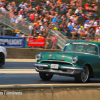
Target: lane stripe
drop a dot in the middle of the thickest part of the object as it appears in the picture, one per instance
(20, 60)
(18, 71)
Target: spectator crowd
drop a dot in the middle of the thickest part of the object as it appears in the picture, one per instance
(56, 15)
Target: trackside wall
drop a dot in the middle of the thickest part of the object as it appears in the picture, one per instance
(51, 93)
(26, 53)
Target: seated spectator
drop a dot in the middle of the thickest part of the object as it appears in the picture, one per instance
(48, 3)
(78, 12)
(66, 30)
(3, 9)
(97, 33)
(92, 32)
(75, 34)
(86, 6)
(86, 25)
(59, 2)
(71, 27)
(21, 5)
(13, 19)
(95, 23)
(15, 12)
(42, 29)
(32, 16)
(68, 14)
(83, 34)
(72, 3)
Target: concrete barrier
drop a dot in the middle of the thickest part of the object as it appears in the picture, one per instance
(26, 53)
(50, 92)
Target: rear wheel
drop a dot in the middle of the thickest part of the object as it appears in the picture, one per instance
(83, 77)
(2, 59)
(45, 76)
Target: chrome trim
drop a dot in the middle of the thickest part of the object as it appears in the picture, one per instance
(63, 56)
(41, 65)
(50, 55)
(80, 52)
(74, 72)
(73, 68)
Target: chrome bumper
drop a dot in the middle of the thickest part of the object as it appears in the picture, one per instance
(69, 70)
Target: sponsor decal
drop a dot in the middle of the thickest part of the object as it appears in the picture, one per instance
(16, 42)
(36, 42)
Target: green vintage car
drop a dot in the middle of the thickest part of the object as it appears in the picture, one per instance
(79, 59)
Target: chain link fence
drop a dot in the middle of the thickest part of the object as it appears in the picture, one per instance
(21, 26)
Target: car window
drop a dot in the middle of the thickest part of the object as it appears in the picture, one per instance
(92, 49)
(81, 47)
(69, 47)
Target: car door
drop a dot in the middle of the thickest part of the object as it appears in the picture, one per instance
(94, 59)
(99, 63)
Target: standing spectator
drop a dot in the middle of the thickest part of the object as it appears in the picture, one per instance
(40, 36)
(17, 34)
(54, 40)
(31, 28)
(47, 41)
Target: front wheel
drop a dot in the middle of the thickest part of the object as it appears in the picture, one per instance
(45, 76)
(83, 77)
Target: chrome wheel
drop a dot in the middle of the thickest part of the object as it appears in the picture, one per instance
(83, 77)
(85, 74)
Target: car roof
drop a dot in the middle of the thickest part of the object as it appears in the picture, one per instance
(83, 41)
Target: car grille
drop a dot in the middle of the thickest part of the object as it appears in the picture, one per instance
(56, 62)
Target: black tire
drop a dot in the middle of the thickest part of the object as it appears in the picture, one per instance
(45, 76)
(2, 59)
(83, 77)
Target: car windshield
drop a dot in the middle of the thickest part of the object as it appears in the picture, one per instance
(81, 47)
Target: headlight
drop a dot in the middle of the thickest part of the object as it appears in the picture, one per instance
(74, 59)
(38, 56)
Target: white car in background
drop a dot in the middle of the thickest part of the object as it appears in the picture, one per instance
(3, 55)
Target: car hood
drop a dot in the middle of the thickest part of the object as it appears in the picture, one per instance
(65, 56)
